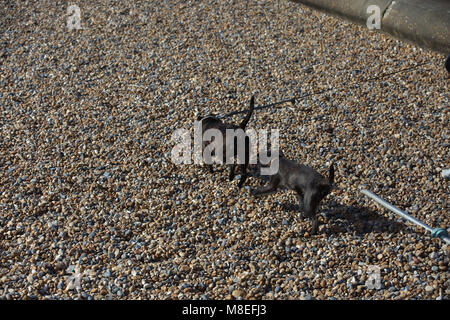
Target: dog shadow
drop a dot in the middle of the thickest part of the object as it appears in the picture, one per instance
(339, 219)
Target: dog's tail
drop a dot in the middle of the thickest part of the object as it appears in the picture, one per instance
(249, 114)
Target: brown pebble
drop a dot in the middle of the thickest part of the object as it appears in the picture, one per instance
(237, 293)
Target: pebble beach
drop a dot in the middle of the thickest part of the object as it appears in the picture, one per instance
(92, 206)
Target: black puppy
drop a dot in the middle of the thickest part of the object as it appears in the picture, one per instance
(311, 186)
(212, 122)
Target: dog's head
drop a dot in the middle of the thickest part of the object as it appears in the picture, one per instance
(209, 122)
(318, 189)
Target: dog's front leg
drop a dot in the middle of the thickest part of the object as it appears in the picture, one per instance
(271, 187)
(315, 224)
(232, 171)
(244, 167)
(300, 201)
(243, 175)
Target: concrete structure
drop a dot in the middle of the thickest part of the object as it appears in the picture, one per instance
(425, 23)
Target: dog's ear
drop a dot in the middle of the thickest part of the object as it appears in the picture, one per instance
(331, 174)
